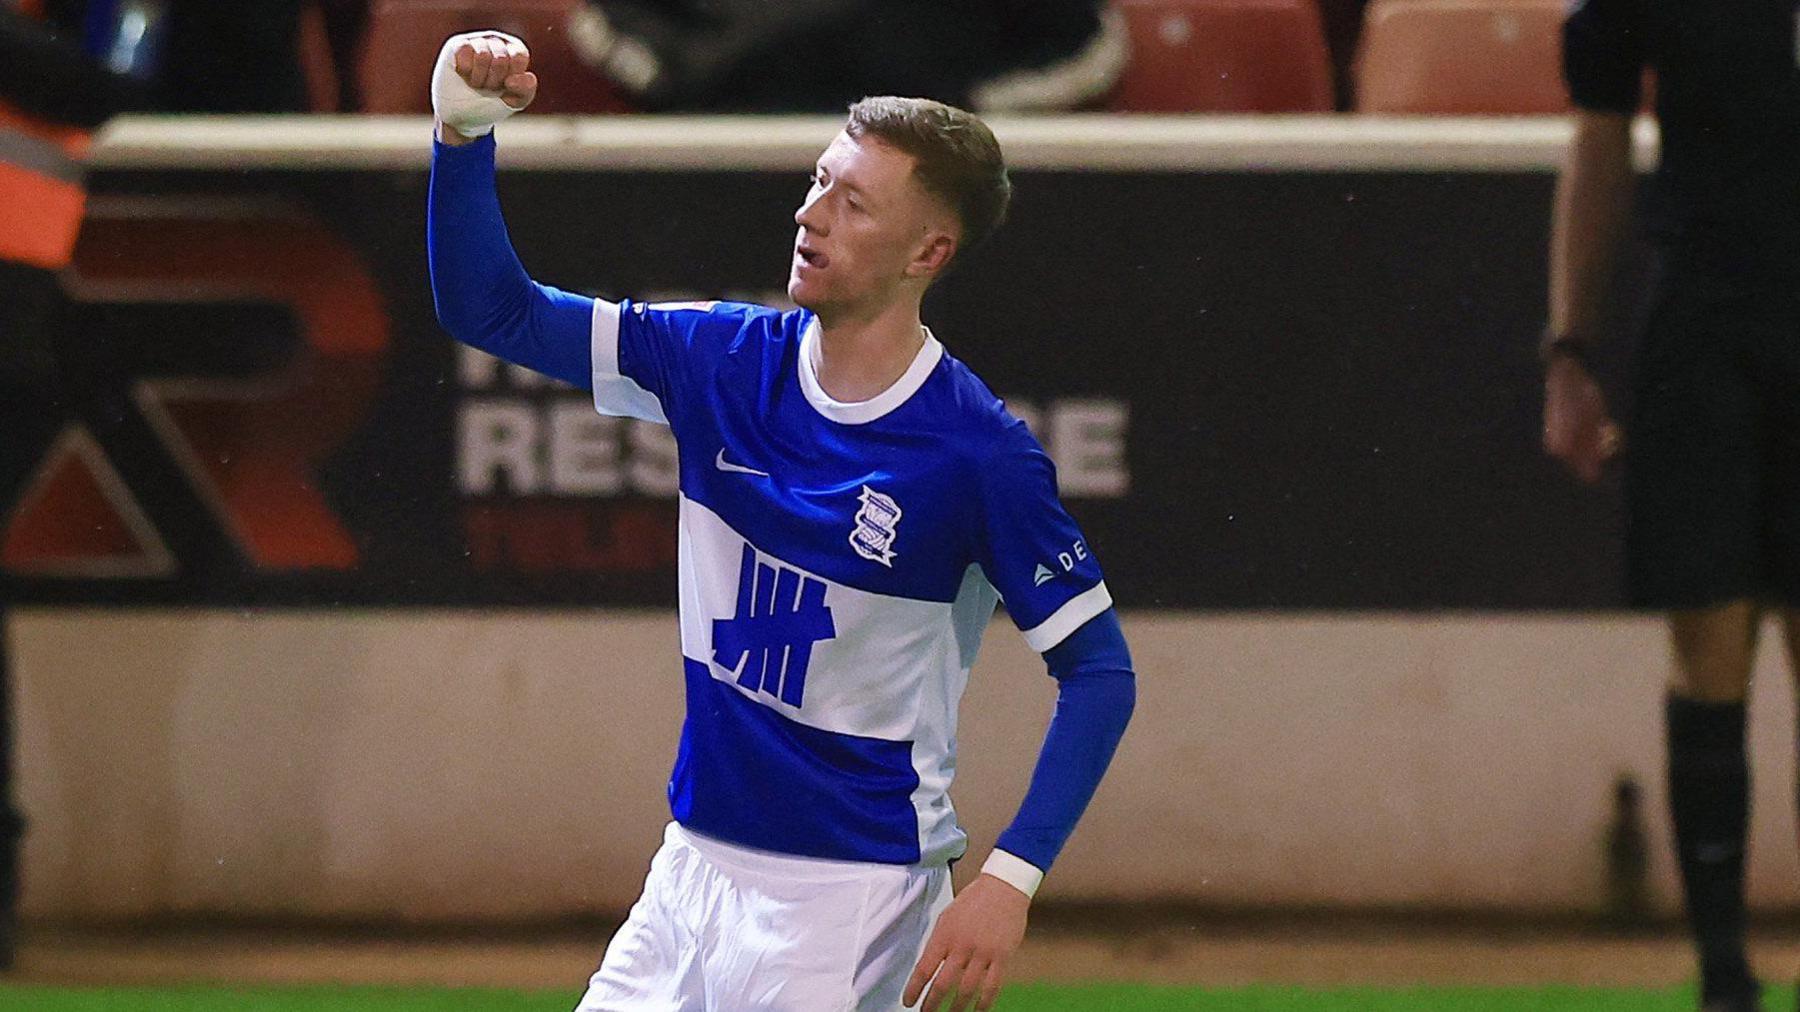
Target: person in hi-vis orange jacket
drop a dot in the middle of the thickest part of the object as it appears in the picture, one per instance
(52, 96)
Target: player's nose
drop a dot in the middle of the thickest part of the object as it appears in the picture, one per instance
(808, 216)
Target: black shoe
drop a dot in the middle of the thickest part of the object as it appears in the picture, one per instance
(1751, 1002)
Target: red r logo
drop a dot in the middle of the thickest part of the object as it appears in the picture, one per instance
(250, 447)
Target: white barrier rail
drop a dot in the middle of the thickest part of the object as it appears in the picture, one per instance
(1074, 143)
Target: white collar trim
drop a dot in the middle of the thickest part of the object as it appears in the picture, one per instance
(860, 412)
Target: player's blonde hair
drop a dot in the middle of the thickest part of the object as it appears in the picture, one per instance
(957, 158)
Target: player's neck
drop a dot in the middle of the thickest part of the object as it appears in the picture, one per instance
(862, 355)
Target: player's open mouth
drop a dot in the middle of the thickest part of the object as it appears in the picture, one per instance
(811, 257)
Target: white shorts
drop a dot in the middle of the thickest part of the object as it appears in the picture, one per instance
(722, 928)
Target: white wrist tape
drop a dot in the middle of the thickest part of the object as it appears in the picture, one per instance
(461, 108)
(1014, 871)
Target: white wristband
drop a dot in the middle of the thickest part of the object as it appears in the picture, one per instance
(1014, 871)
(461, 108)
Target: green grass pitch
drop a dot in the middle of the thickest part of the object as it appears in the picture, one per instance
(1018, 998)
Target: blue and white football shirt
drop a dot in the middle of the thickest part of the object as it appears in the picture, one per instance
(839, 563)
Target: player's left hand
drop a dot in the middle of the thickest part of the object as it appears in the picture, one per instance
(968, 950)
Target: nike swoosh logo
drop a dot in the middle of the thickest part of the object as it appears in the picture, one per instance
(726, 465)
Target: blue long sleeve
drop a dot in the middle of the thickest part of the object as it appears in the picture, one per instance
(483, 296)
(1095, 696)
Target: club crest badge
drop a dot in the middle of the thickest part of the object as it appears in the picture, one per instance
(877, 525)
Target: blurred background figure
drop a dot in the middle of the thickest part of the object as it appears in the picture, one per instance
(1343, 22)
(343, 24)
(740, 55)
(1713, 479)
(233, 57)
(53, 93)
(245, 56)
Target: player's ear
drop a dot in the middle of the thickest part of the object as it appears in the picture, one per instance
(933, 255)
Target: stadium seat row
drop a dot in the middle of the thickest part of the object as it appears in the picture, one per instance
(1415, 56)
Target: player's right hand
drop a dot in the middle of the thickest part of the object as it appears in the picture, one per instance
(1578, 427)
(480, 79)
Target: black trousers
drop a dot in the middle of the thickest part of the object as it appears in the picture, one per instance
(31, 413)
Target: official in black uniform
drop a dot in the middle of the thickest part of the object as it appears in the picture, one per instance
(1712, 448)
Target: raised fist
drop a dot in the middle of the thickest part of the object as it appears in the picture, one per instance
(481, 78)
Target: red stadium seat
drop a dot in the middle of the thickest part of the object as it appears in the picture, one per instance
(1225, 56)
(405, 36)
(1462, 57)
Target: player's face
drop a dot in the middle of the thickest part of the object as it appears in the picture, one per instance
(868, 232)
